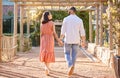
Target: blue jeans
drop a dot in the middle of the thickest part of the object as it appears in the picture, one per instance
(70, 51)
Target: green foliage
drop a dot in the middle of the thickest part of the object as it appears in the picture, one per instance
(35, 35)
(114, 21)
(27, 44)
(93, 36)
(115, 11)
(24, 27)
(59, 15)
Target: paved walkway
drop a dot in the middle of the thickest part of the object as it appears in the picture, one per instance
(27, 65)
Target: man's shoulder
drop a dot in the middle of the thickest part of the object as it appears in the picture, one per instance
(66, 17)
(76, 17)
(79, 19)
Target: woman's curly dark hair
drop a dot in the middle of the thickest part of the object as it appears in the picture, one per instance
(45, 18)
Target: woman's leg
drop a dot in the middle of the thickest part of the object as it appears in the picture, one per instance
(47, 65)
(46, 68)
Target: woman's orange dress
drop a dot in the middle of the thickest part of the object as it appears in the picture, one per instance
(47, 43)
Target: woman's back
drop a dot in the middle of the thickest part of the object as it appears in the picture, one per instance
(47, 29)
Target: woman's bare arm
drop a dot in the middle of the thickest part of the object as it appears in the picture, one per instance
(60, 43)
(55, 34)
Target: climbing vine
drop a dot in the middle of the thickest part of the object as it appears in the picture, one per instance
(114, 21)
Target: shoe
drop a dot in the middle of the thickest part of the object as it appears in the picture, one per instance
(70, 72)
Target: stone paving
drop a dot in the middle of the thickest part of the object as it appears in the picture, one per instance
(27, 65)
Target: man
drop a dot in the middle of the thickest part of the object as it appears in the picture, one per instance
(71, 31)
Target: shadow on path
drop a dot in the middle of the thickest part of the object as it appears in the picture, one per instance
(58, 74)
(11, 74)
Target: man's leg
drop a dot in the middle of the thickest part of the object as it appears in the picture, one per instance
(67, 49)
(75, 49)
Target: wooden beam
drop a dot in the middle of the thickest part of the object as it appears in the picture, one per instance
(90, 26)
(28, 21)
(101, 24)
(21, 28)
(58, 9)
(15, 18)
(97, 26)
(110, 26)
(59, 0)
(15, 25)
(0, 30)
(61, 4)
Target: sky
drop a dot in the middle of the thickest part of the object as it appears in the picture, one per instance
(7, 2)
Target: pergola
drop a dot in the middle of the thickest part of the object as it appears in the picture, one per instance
(58, 5)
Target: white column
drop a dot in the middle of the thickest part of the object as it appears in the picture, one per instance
(15, 18)
(101, 24)
(15, 25)
(97, 25)
(21, 29)
(110, 26)
(0, 29)
(28, 21)
(90, 26)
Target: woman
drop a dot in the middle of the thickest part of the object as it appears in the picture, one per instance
(48, 34)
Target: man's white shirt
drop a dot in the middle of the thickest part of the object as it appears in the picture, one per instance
(72, 28)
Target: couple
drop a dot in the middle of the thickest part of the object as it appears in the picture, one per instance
(72, 29)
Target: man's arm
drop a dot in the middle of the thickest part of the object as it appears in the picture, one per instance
(83, 37)
(63, 30)
(83, 41)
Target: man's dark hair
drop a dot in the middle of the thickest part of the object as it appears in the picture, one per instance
(73, 8)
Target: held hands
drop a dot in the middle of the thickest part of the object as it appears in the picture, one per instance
(60, 43)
